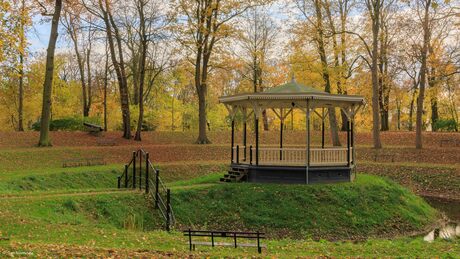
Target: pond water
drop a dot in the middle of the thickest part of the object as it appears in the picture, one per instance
(452, 210)
(450, 207)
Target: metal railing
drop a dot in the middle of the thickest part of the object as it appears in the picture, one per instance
(140, 173)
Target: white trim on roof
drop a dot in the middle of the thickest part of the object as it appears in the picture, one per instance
(352, 99)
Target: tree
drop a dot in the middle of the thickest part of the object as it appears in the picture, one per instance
(257, 41)
(203, 25)
(48, 84)
(114, 38)
(72, 23)
(423, 70)
(374, 8)
(316, 21)
(339, 64)
(143, 56)
(24, 21)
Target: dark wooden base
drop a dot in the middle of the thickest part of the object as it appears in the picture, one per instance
(295, 174)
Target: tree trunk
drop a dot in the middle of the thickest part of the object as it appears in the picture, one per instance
(80, 62)
(423, 72)
(325, 71)
(22, 47)
(106, 82)
(135, 71)
(343, 10)
(265, 120)
(374, 9)
(119, 67)
(48, 84)
(88, 68)
(333, 120)
(384, 91)
(202, 124)
(433, 99)
(143, 57)
(21, 93)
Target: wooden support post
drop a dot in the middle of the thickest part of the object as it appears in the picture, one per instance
(157, 185)
(147, 168)
(352, 141)
(348, 143)
(233, 137)
(281, 139)
(308, 141)
(168, 209)
(322, 130)
(244, 139)
(212, 239)
(234, 238)
(257, 141)
(250, 154)
(134, 170)
(259, 249)
(140, 170)
(190, 238)
(237, 154)
(119, 182)
(126, 176)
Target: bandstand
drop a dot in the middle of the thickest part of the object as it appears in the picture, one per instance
(286, 164)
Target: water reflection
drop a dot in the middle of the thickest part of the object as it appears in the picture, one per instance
(450, 231)
(451, 209)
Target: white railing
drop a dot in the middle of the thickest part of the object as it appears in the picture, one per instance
(297, 156)
(238, 155)
(329, 156)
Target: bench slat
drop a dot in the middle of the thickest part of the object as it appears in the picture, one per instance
(228, 235)
(226, 244)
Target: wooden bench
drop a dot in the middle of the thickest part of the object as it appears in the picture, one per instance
(224, 234)
(83, 162)
(449, 142)
(93, 129)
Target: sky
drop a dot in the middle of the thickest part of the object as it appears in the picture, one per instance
(39, 35)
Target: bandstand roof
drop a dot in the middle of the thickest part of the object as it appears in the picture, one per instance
(290, 95)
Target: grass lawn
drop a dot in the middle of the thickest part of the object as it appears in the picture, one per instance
(50, 211)
(92, 220)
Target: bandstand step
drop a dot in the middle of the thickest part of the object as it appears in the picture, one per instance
(235, 175)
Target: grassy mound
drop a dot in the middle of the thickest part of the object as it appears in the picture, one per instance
(116, 210)
(62, 179)
(371, 206)
(96, 177)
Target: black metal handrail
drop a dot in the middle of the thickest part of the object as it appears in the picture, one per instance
(148, 178)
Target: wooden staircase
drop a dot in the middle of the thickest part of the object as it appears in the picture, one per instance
(235, 175)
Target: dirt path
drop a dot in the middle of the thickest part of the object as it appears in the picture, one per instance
(43, 195)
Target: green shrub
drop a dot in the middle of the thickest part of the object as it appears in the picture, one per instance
(445, 125)
(67, 124)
